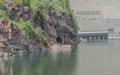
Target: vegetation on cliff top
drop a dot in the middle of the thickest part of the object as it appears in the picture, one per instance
(3, 13)
(36, 6)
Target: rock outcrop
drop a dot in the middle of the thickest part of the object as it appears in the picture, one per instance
(16, 12)
(56, 24)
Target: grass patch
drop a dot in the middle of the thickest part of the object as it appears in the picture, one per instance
(18, 2)
(39, 32)
(28, 30)
(3, 15)
(2, 4)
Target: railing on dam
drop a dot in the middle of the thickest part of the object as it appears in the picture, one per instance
(93, 36)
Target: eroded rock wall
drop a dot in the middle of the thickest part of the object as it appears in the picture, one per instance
(57, 24)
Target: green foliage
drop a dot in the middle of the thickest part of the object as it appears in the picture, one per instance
(55, 4)
(22, 25)
(43, 5)
(40, 8)
(2, 4)
(39, 32)
(42, 14)
(34, 4)
(19, 2)
(65, 5)
(29, 30)
(75, 21)
(3, 15)
(26, 28)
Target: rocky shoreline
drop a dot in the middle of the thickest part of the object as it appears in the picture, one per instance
(55, 48)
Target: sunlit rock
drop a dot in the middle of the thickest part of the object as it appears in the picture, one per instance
(60, 48)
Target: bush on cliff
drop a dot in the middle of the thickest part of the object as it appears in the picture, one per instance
(28, 30)
(3, 15)
(2, 4)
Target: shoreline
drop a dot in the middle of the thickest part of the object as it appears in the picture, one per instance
(55, 48)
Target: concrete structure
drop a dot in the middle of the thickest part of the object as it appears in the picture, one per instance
(112, 26)
(109, 9)
(95, 16)
(94, 36)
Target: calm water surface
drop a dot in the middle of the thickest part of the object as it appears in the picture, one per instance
(93, 58)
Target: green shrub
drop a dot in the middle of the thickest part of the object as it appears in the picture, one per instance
(22, 25)
(34, 4)
(2, 4)
(65, 5)
(38, 6)
(75, 21)
(19, 2)
(55, 4)
(29, 30)
(3, 15)
(26, 28)
(39, 32)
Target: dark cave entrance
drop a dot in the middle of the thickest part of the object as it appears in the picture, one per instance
(59, 40)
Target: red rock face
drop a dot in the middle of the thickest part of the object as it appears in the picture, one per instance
(51, 30)
(6, 29)
(7, 35)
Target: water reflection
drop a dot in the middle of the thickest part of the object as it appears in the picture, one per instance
(98, 58)
(39, 64)
(90, 58)
(6, 66)
(2, 66)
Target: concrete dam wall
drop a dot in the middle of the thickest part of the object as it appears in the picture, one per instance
(98, 15)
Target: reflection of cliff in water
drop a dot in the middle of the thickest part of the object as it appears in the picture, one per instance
(6, 66)
(39, 64)
(60, 64)
(2, 66)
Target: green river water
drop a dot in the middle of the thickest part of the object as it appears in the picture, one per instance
(91, 58)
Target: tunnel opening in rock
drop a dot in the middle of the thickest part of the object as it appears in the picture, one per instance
(59, 40)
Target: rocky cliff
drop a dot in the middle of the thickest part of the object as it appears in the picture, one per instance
(28, 25)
